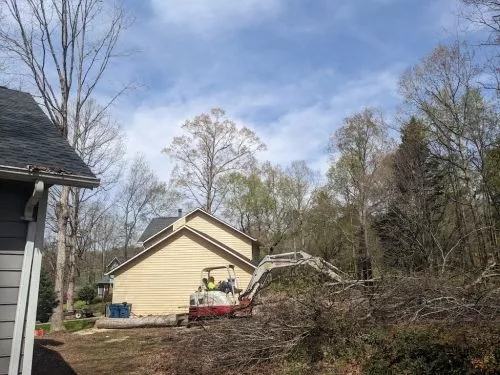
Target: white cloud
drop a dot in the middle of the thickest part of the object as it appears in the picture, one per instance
(448, 19)
(299, 131)
(204, 16)
(303, 133)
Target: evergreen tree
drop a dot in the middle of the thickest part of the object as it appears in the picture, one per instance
(47, 298)
(407, 228)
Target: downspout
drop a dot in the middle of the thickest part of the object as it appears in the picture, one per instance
(29, 273)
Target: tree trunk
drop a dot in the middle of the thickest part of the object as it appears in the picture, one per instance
(62, 224)
(364, 257)
(72, 259)
(71, 277)
(103, 261)
(125, 249)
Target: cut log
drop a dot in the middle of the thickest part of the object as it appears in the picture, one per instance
(143, 322)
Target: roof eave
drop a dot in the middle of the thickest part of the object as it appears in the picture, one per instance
(199, 209)
(22, 174)
(254, 240)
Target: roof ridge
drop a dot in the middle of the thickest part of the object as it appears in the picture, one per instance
(15, 90)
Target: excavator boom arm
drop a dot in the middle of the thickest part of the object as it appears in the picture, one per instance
(294, 259)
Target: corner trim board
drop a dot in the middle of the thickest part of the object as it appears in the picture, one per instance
(26, 280)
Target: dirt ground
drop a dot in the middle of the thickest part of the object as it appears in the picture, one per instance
(93, 351)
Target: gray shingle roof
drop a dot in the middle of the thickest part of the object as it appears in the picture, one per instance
(156, 225)
(28, 137)
(106, 279)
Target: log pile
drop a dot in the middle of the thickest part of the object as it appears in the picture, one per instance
(141, 322)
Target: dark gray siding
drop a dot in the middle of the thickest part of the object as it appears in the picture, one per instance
(13, 197)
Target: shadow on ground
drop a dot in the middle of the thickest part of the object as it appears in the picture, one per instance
(47, 361)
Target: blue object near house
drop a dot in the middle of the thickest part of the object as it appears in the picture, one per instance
(124, 311)
(114, 311)
(119, 310)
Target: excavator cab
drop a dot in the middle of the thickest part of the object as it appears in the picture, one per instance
(205, 303)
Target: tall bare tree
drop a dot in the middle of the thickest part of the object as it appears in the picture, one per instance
(445, 91)
(486, 15)
(260, 203)
(98, 141)
(106, 235)
(302, 181)
(211, 148)
(141, 197)
(66, 47)
(357, 175)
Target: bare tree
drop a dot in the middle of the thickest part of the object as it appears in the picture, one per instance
(98, 141)
(105, 234)
(357, 176)
(487, 14)
(142, 196)
(302, 181)
(212, 148)
(66, 47)
(260, 202)
(462, 128)
(323, 227)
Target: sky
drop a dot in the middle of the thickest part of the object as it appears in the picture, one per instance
(291, 70)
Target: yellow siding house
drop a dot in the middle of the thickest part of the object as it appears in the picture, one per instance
(159, 280)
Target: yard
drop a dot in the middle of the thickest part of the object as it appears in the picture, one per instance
(176, 351)
(91, 351)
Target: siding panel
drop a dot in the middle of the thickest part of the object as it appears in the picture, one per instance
(7, 312)
(160, 283)
(221, 232)
(12, 244)
(179, 223)
(4, 365)
(6, 329)
(11, 261)
(13, 229)
(8, 296)
(10, 278)
(5, 347)
(13, 197)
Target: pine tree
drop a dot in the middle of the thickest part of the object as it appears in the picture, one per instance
(47, 298)
(406, 229)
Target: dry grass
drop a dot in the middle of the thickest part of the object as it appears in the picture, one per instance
(134, 351)
(127, 351)
(302, 327)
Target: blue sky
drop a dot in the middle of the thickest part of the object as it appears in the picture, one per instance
(289, 69)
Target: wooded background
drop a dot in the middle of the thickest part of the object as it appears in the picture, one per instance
(417, 194)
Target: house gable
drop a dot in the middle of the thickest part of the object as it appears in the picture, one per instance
(224, 233)
(161, 279)
(204, 222)
(234, 255)
(115, 262)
